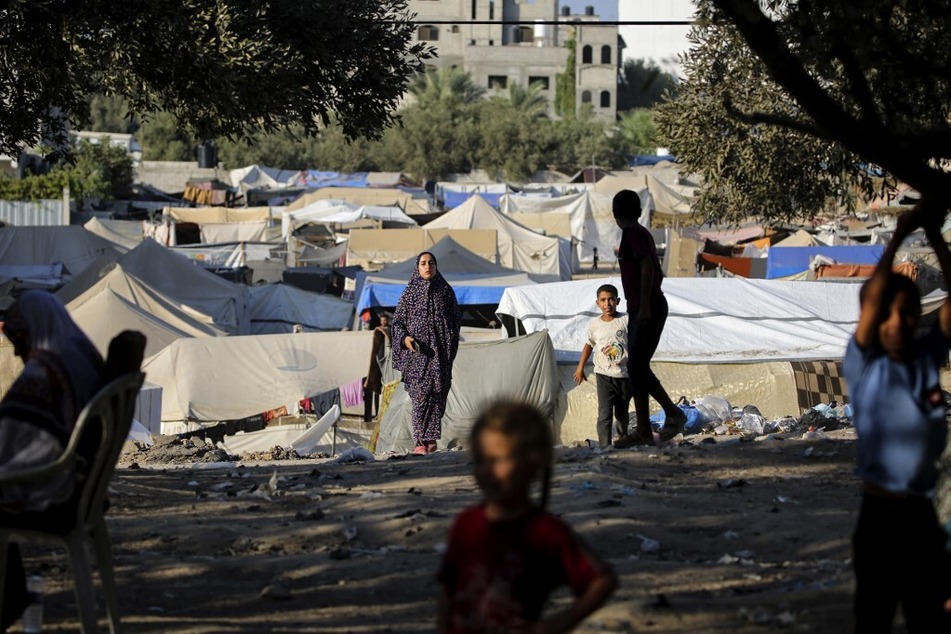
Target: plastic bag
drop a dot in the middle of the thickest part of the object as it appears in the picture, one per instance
(714, 409)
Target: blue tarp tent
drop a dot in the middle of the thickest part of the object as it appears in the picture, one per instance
(315, 179)
(786, 261)
(454, 199)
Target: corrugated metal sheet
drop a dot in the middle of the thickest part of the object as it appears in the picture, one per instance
(24, 213)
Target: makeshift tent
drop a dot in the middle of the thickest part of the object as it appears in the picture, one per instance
(786, 261)
(125, 235)
(373, 248)
(590, 219)
(474, 279)
(521, 368)
(365, 196)
(454, 194)
(226, 232)
(175, 276)
(114, 279)
(227, 378)
(329, 211)
(261, 177)
(105, 314)
(214, 215)
(729, 320)
(72, 245)
(277, 308)
(519, 247)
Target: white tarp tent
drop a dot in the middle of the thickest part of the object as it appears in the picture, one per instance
(227, 378)
(330, 211)
(175, 276)
(518, 247)
(277, 308)
(723, 320)
(591, 220)
(224, 232)
(522, 368)
(125, 235)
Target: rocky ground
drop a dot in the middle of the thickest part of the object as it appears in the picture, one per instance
(716, 534)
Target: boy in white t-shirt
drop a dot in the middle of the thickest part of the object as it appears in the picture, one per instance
(607, 337)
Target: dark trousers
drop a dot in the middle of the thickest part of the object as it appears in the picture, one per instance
(899, 557)
(642, 340)
(614, 400)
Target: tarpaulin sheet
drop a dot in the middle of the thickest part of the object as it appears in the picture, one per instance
(784, 261)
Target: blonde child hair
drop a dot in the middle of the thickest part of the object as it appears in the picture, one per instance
(531, 432)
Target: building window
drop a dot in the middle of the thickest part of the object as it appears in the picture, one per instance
(605, 54)
(525, 34)
(473, 9)
(586, 55)
(491, 10)
(427, 33)
(539, 80)
(605, 99)
(454, 29)
(586, 96)
(498, 82)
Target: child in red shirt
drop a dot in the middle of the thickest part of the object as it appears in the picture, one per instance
(507, 555)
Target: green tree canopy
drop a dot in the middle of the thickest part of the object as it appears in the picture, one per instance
(95, 170)
(872, 77)
(221, 68)
(642, 84)
(750, 167)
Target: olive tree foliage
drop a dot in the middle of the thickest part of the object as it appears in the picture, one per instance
(750, 166)
(873, 77)
(220, 68)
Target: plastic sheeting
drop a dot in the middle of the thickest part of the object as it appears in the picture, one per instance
(228, 378)
(729, 320)
(521, 368)
(519, 247)
(223, 232)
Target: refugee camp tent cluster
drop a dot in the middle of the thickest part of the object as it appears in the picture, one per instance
(775, 344)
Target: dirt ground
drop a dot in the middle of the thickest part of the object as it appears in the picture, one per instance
(712, 535)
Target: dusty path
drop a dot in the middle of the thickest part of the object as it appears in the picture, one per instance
(752, 537)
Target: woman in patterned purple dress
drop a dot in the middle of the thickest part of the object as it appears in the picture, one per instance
(425, 340)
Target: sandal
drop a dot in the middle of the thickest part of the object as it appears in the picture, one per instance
(637, 439)
(420, 450)
(673, 425)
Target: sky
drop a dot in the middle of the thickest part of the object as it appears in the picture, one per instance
(662, 44)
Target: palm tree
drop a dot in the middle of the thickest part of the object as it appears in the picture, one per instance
(448, 85)
(529, 102)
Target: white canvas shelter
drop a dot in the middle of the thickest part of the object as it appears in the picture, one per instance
(226, 378)
(518, 247)
(214, 215)
(277, 308)
(724, 320)
(262, 177)
(329, 211)
(178, 278)
(225, 232)
(73, 246)
(304, 438)
(161, 318)
(107, 313)
(590, 219)
(380, 196)
(125, 235)
(521, 368)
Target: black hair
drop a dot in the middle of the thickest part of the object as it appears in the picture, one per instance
(607, 288)
(529, 428)
(895, 285)
(626, 204)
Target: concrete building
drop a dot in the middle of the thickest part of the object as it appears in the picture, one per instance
(523, 41)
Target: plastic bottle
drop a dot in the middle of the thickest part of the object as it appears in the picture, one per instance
(32, 621)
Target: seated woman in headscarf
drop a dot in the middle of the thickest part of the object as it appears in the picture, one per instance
(62, 372)
(425, 332)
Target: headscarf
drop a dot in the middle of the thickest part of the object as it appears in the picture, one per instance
(428, 312)
(62, 368)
